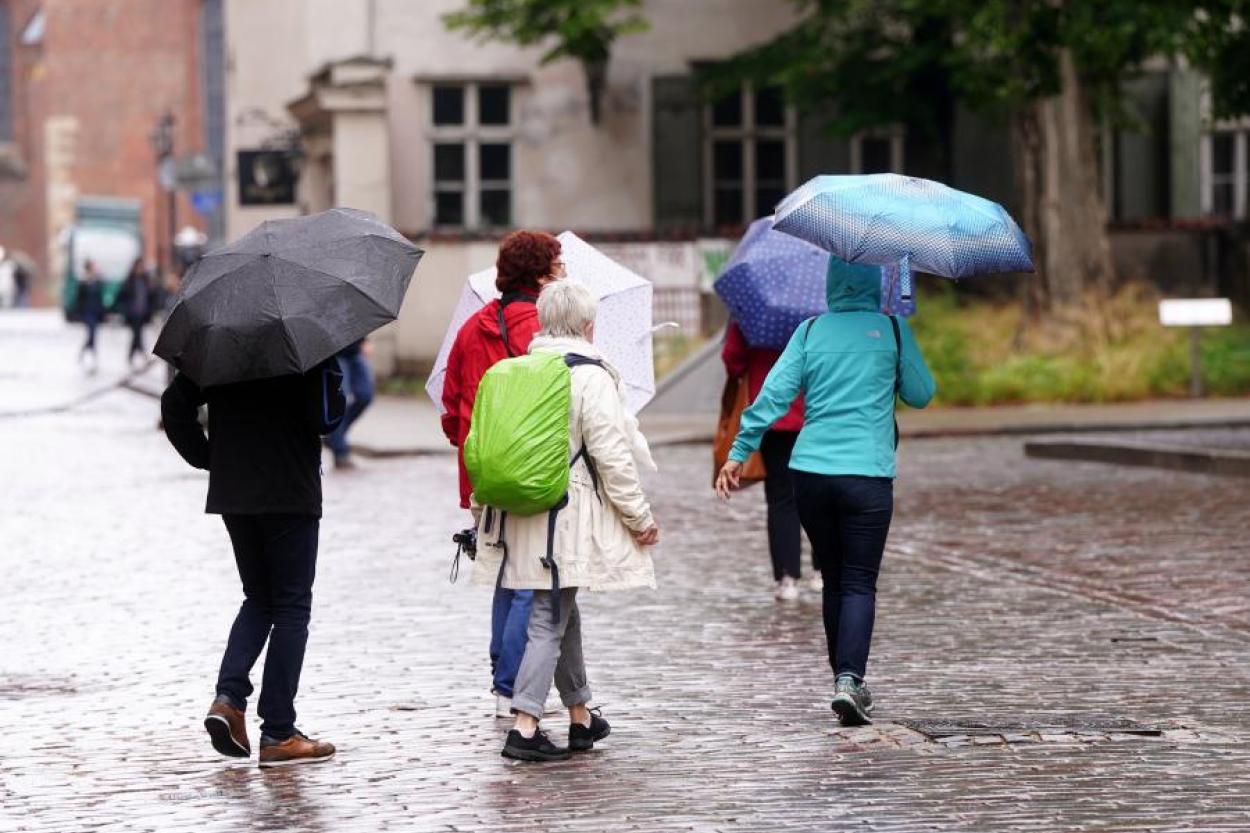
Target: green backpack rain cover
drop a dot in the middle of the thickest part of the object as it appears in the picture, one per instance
(517, 451)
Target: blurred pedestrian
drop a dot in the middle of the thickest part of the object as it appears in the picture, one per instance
(264, 479)
(90, 308)
(601, 545)
(21, 284)
(784, 533)
(527, 262)
(850, 364)
(358, 386)
(135, 301)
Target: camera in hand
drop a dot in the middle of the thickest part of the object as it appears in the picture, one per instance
(466, 540)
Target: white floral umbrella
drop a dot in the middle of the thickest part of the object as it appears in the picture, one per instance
(622, 325)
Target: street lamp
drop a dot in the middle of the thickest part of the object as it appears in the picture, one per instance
(162, 138)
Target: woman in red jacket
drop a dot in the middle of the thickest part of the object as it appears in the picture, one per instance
(504, 328)
(784, 532)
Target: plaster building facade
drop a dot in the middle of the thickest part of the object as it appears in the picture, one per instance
(375, 104)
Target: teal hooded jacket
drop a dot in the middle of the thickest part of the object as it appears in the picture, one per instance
(845, 363)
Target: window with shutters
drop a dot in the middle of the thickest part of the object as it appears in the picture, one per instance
(750, 155)
(471, 129)
(1226, 172)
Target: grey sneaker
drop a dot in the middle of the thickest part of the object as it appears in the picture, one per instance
(852, 701)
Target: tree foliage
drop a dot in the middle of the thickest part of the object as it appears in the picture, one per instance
(1051, 70)
(583, 30)
(879, 62)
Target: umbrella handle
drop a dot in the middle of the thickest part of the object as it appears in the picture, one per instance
(663, 325)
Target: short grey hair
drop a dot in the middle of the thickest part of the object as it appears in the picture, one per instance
(565, 308)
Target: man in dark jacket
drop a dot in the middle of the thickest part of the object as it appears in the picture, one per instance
(90, 307)
(263, 456)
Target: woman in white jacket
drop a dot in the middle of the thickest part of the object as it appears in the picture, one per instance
(600, 536)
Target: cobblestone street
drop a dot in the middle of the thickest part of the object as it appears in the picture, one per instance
(1059, 646)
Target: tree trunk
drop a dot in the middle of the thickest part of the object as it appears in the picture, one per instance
(596, 82)
(1062, 210)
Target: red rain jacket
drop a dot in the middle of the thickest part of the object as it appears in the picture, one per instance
(741, 359)
(477, 347)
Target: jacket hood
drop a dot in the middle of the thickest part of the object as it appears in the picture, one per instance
(852, 287)
(513, 314)
(565, 344)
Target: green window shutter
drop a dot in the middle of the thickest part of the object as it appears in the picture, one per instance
(820, 152)
(1185, 141)
(1141, 151)
(677, 153)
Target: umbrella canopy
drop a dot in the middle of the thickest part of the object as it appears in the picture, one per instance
(772, 283)
(622, 324)
(882, 218)
(286, 296)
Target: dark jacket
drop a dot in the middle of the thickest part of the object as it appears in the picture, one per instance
(263, 449)
(90, 302)
(134, 299)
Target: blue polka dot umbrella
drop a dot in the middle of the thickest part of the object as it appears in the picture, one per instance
(772, 283)
(883, 218)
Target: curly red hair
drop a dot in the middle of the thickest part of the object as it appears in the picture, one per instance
(525, 258)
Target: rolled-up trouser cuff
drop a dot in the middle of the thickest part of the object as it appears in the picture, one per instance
(525, 704)
(576, 697)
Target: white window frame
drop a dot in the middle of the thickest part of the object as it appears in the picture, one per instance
(894, 134)
(472, 135)
(1241, 167)
(747, 133)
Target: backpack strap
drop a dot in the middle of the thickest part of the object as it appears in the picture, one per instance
(503, 545)
(807, 331)
(503, 333)
(590, 466)
(571, 360)
(510, 298)
(898, 368)
(549, 561)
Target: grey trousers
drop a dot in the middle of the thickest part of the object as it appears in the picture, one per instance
(553, 650)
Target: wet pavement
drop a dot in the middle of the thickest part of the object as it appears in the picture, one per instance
(1034, 615)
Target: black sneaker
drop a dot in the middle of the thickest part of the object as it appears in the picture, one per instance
(852, 701)
(537, 748)
(582, 738)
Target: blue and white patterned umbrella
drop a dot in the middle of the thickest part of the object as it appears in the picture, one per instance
(772, 283)
(882, 218)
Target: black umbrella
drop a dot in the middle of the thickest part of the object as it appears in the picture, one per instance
(286, 296)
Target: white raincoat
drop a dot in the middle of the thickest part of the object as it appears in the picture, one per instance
(593, 546)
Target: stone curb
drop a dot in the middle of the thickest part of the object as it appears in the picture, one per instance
(1178, 458)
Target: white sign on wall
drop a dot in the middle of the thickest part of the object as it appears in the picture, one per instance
(1196, 312)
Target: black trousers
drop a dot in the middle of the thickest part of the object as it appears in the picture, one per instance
(277, 560)
(785, 540)
(847, 518)
(136, 336)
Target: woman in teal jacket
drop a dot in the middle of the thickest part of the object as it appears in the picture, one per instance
(849, 364)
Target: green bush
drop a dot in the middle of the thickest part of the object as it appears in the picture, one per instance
(1112, 350)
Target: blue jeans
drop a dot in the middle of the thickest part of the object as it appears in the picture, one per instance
(277, 560)
(509, 626)
(847, 519)
(358, 387)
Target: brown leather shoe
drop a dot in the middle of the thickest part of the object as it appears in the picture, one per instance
(296, 749)
(227, 726)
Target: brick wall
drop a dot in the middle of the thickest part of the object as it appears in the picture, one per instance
(85, 101)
